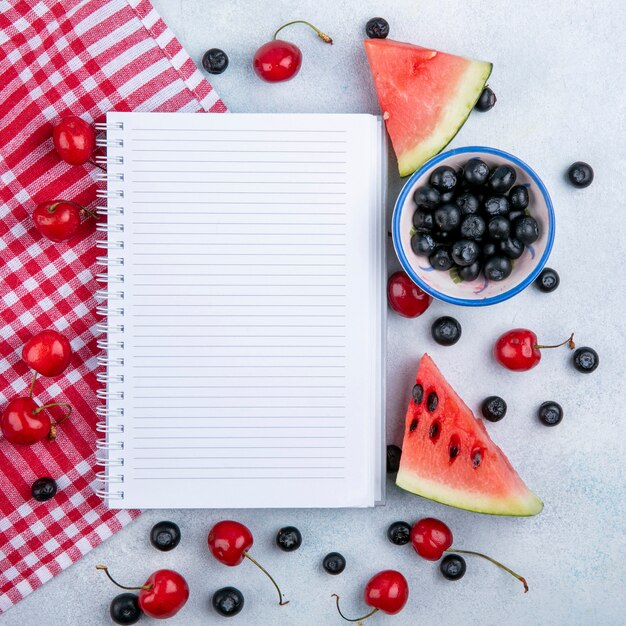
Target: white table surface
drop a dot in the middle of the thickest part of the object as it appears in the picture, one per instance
(559, 77)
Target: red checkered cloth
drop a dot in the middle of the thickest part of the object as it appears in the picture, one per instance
(59, 58)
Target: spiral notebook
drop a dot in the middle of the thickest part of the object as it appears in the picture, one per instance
(245, 311)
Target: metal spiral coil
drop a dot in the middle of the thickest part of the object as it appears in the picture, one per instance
(107, 279)
(104, 411)
(101, 444)
(109, 261)
(105, 494)
(110, 210)
(110, 228)
(105, 327)
(109, 142)
(107, 126)
(105, 294)
(110, 193)
(110, 245)
(103, 427)
(109, 177)
(106, 462)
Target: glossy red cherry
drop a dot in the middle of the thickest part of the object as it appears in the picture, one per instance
(164, 593)
(387, 591)
(229, 542)
(74, 140)
(48, 353)
(24, 422)
(279, 60)
(405, 297)
(518, 349)
(59, 220)
(431, 538)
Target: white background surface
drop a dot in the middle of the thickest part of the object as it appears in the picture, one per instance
(559, 77)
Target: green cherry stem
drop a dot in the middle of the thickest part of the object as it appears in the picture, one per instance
(39, 409)
(323, 36)
(87, 212)
(569, 341)
(281, 602)
(105, 569)
(32, 386)
(504, 567)
(358, 619)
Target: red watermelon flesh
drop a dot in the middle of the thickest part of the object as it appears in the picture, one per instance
(425, 96)
(448, 456)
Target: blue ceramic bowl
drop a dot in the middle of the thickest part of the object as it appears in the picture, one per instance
(481, 292)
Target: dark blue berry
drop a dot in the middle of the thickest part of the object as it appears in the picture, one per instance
(502, 179)
(486, 101)
(446, 331)
(518, 197)
(496, 205)
(423, 221)
(476, 172)
(548, 280)
(550, 413)
(499, 228)
(426, 197)
(472, 227)
(452, 567)
(440, 260)
(586, 360)
(512, 248)
(467, 202)
(43, 489)
(228, 601)
(526, 229)
(443, 178)
(423, 244)
(165, 536)
(377, 28)
(580, 174)
(464, 252)
(399, 533)
(289, 538)
(215, 61)
(334, 563)
(493, 408)
(447, 217)
(470, 272)
(498, 267)
(124, 609)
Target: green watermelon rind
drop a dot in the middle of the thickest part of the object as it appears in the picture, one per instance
(469, 91)
(525, 506)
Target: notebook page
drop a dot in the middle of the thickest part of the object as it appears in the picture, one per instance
(248, 345)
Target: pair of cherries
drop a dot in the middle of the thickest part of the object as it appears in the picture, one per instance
(24, 421)
(74, 141)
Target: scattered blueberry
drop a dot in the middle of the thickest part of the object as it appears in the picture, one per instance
(550, 413)
(426, 197)
(580, 174)
(498, 267)
(446, 331)
(124, 609)
(493, 408)
(443, 178)
(548, 280)
(394, 453)
(377, 28)
(486, 101)
(228, 601)
(518, 197)
(165, 536)
(452, 567)
(502, 179)
(43, 489)
(215, 61)
(399, 533)
(289, 538)
(586, 360)
(334, 563)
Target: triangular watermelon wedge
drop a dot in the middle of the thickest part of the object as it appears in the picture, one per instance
(425, 96)
(448, 456)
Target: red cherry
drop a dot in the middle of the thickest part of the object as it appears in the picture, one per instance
(517, 349)
(405, 297)
(57, 220)
(431, 538)
(24, 423)
(387, 591)
(74, 140)
(164, 593)
(279, 60)
(48, 353)
(229, 543)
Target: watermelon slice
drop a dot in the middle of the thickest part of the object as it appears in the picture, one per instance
(425, 96)
(448, 456)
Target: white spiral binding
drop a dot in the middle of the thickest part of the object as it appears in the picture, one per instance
(110, 448)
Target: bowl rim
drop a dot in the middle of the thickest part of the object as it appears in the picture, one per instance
(396, 235)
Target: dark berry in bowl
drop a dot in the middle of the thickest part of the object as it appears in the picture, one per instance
(580, 174)
(489, 248)
(493, 408)
(499, 228)
(496, 205)
(423, 244)
(512, 248)
(165, 536)
(215, 61)
(519, 198)
(548, 280)
(440, 260)
(377, 28)
(423, 221)
(443, 178)
(334, 563)
(470, 272)
(515, 214)
(526, 229)
(502, 179)
(447, 217)
(467, 202)
(399, 533)
(486, 101)
(498, 267)
(426, 197)
(289, 538)
(476, 172)
(43, 489)
(393, 458)
(446, 331)
(586, 360)
(227, 601)
(443, 237)
(550, 413)
(472, 227)
(448, 196)
(124, 609)
(464, 252)
(453, 567)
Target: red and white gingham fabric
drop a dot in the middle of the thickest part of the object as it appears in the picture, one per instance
(58, 58)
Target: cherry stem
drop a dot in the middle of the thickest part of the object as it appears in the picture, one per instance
(504, 567)
(32, 386)
(281, 602)
(47, 406)
(83, 210)
(104, 169)
(358, 619)
(323, 36)
(569, 341)
(105, 569)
